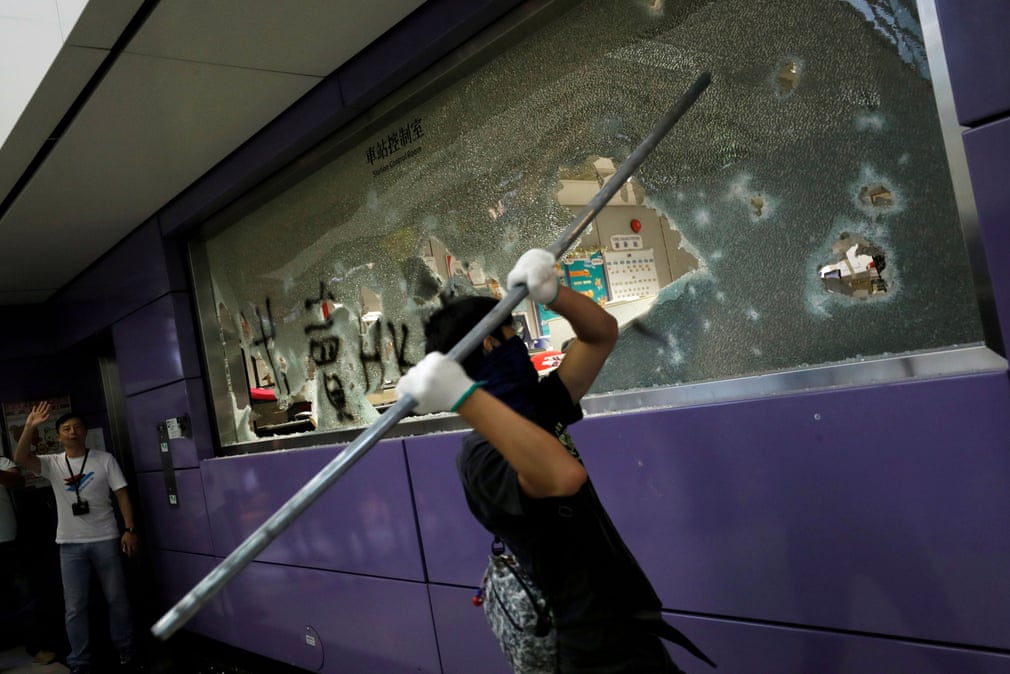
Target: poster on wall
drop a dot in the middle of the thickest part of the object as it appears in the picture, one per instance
(44, 438)
(632, 274)
(586, 276)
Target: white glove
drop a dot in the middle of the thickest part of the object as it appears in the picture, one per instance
(437, 383)
(535, 268)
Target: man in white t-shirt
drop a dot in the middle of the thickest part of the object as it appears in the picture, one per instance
(83, 482)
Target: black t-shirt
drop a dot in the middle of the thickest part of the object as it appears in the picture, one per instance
(569, 546)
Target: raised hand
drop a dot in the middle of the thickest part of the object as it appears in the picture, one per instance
(39, 415)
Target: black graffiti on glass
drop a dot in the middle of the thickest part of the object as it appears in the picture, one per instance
(335, 394)
(324, 348)
(384, 331)
(268, 332)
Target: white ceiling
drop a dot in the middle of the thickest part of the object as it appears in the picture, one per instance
(195, 81)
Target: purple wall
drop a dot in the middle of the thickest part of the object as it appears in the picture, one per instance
(838, 532)
(975, 38)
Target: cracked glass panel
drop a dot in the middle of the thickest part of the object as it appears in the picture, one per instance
(818, 138)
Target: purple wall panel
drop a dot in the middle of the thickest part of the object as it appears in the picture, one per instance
(467, 645)
(760, 510)
(129, 276)
(860, 509)
(742, 648)
(465, 641)
(144, 412)
(156, 345)
(363, 624)
(455, 545)
(975, 38)
(434, 29)
(182, 528)
(177, 573)
(988, 152)
(363, 524)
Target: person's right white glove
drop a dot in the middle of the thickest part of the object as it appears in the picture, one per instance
(437, 383)
(535, 268)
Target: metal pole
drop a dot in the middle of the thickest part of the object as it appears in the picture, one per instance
(313, 489)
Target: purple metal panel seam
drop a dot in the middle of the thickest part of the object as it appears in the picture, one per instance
(176, 573)
(360, 624)
(182, 528)
(147, 409)
(857, 509)
(364, 524)
(156, 345)
(455, 545)
(129, 276)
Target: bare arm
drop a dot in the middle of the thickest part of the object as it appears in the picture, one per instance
(128, 542)
(595, 336)
(23, 455)
(544, 466)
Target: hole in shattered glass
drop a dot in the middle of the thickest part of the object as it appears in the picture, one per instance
(856, 269)
(877, 195)
(787, 77)
(634, 255)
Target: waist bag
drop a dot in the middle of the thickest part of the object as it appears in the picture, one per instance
(521, 619)
(518, 614)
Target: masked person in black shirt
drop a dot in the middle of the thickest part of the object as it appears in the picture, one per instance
(525, 482)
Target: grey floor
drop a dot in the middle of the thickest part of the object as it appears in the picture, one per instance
(17, 661)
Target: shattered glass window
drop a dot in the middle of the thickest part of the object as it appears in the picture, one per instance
(801, 213)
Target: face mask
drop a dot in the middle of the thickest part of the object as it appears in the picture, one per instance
(509, 375)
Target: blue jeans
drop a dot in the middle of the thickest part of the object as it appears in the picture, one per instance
(77, 560)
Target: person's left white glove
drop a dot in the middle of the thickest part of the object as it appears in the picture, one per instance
(437, 383)
(535, 268)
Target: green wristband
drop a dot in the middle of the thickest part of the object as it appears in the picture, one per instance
(462, 399)
(557, 292)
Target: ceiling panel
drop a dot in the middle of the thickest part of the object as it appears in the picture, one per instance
(310, 37)
(195, 82)
(151, 128)
(101, 23)
(63, 83)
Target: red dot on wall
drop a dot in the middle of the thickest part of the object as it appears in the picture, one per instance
(636, 226)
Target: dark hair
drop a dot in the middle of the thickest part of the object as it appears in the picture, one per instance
(67, 417)
(447, 326)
